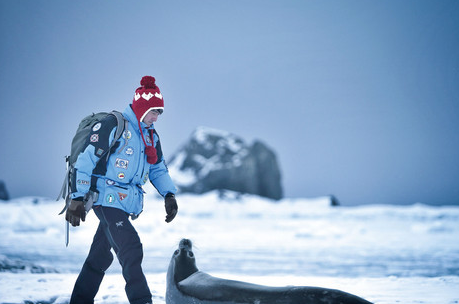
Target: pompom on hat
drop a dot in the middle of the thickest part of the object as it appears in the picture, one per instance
(147, 97)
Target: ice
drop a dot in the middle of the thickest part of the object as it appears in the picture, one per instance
(384, 253)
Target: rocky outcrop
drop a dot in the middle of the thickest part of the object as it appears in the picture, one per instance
(218, 160)
(20, 266)
(3, 193)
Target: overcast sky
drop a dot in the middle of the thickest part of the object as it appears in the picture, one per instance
(359, 99)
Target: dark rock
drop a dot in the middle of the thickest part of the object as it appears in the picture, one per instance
(3, 193)
(20, 266)
(218, 160)
(334, 201)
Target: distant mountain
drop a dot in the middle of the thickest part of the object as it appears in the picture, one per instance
(218, 160)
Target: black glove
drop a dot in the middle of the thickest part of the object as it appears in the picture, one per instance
(75, 212)
(171, 207)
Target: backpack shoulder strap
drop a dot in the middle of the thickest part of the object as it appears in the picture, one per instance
(122, 125)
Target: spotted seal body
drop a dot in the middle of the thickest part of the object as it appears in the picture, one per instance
(187, 285)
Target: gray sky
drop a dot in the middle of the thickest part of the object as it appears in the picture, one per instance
(359, 99)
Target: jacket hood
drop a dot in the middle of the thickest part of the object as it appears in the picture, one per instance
(130, 115)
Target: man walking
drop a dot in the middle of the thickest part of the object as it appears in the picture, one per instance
(116, 183)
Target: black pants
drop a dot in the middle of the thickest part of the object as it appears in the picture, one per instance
(114, 231)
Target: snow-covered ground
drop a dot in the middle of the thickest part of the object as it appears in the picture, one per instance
(386, 254)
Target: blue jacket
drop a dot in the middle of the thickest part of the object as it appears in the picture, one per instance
(119, 178)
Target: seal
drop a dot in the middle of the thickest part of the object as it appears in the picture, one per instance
(187, 285)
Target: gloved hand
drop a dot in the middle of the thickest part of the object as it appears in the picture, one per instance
(171, 207)
(75, 212)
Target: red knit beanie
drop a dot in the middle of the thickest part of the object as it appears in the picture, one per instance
(147, 97)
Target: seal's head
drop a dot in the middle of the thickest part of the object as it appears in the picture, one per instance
(184, 261)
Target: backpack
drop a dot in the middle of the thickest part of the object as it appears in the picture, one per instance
(79, 144)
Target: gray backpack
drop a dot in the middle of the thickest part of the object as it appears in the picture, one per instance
(79, 144)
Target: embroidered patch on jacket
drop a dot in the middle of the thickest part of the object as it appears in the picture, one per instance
(122, 196)
(127, 134)
(121, 175)
(100, 152)
(82, 182)
(121, 163)
(110, 182)
(129, 151)
(94, 138)
(96, 127)
(110, 198)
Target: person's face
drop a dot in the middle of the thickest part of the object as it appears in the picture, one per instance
(151, 117)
